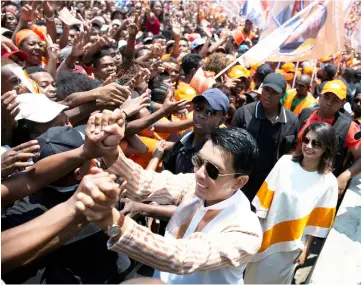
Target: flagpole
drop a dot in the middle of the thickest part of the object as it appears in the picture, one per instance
(278, 65)
(314, 70)
(294, 78)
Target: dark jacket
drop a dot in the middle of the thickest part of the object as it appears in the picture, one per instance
(273, 140)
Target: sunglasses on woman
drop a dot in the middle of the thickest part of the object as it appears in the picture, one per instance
(314, 143)
(212, 170)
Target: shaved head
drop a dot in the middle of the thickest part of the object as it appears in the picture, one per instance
(304, 79)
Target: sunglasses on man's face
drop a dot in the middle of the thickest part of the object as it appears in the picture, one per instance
(315, 144)
(209, 112)
(356, 101)
(212, 170)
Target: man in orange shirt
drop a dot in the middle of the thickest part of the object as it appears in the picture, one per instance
(299, 98)
(332, 99)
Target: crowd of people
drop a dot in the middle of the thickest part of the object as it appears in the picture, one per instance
(117, 156)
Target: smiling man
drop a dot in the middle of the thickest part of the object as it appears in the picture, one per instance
(212, 235)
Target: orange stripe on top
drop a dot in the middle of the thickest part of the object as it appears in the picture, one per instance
(265, 195)
(292, 230)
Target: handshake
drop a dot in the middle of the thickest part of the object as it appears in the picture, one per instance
(98, 192)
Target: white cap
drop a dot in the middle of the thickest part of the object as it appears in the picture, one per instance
(38, 108)
(99, 21)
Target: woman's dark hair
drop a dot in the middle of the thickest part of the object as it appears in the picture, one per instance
(72, 82)
(152, 3)
(240, 144)
(326, 136)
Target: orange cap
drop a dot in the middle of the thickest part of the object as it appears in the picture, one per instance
(308, 70)
(326, 59)
(238, 71)
(336, 87)
(22, 34)
(184, 92)
(288, 67)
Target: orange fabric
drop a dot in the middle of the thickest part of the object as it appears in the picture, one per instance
(350, 141)
(202, 80)
(292, 230)
(189, 117)
(184, 91)
(265, 195)
(39, 30)
(309, 101)
(144, 158)
(123, 145)
(22, 34)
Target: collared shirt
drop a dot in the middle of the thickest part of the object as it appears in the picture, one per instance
(274, 139)
(202, 244)
(179, 160)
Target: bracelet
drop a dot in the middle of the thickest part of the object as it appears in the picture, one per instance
(126, 115)
(51, 19)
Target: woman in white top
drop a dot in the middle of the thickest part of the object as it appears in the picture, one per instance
(296, 203)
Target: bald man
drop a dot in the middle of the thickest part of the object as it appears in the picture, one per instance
(299, 98)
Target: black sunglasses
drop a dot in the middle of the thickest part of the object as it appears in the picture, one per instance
(209, 112)
(314, 143)
(357, 101)
(212, 170)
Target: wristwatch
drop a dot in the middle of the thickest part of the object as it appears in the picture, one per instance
(115, 229)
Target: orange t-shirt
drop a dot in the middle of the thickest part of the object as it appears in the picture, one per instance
(350, 141)
(144, 158)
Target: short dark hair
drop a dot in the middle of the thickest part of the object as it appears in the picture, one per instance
(99, 55)
(157, 37)
(72, 82)
(240, 144)
(35, 69)
(159, 92)
(326, 136)
(137, 52)
(191, 61)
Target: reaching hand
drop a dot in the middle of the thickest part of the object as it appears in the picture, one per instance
(97, 195)
(29, 13)
(156, 68)
(176, 27)
(48, 9)
(18, 157)
(9, 107)
(133, 106)
(7, 44)
(132, 30)
(172, 107)
(130, 208)
(103, 133)
(231, 83)
(52, 49)
(112, 93)
(80, 44)
(157, 50)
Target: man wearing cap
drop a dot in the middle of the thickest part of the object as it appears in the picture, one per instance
(331, 100)
(210, 110)
(274, 128)
(299, 98)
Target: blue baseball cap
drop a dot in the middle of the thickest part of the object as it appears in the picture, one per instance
(215, 98)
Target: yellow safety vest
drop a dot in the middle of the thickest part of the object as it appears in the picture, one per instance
(309, 101)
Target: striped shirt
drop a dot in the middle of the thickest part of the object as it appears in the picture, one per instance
(202, 244)
(293, 203)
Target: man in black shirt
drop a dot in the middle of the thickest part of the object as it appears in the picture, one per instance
(274, 128)
(210, 110)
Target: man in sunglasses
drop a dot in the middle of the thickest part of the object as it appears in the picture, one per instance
(212, 235)
(274, 128)
(331, 101)
(210, 110)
